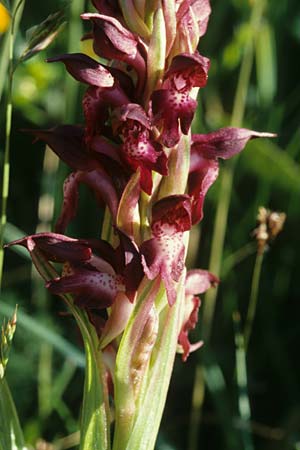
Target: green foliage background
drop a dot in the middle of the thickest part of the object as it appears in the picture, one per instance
(45, 370)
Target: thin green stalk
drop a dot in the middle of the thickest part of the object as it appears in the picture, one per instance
(5, 48)
(75, 30)
(6, 161)
(222, 212)
(253, 298)
(242, 382)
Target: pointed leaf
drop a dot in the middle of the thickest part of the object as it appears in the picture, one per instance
(42, 35)
(11, 436)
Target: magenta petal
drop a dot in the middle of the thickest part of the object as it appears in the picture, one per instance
(70, 202)
(224, 143)
(171, 215)
(171, 108)
(192, 20)
(67, 141)
(131, 264)
(118, 319)
(113, 41)
(164, 256)
(108, 7)
(146, 182)
(93, 289)
(99, 182)
(191, 318)
(96, 103)
(85, 69)
(188, 71)
(139, 149)
(204, 175)
(57, 247)
(103, 188)
(199, 281)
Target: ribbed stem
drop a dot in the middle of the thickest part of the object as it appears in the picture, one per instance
(6, 161)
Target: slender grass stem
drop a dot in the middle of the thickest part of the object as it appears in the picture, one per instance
(222, 212)
(6, 160)
(242, 382)
(253, 298)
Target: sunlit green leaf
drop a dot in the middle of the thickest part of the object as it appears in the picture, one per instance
(266, 64)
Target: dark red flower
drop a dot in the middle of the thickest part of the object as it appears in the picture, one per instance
(105, 91)
(93, 271)
(192, 19)
(115, 42)
(172, 105)
(164, 254)
(139, 149)
(204, 166)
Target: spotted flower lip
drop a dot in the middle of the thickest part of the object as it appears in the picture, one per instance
(172, 105)
(139, 149)
(163, 255)
(92, 289)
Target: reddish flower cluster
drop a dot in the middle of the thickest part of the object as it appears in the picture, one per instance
(136, 112)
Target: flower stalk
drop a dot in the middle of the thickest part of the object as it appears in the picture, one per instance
(129, 292)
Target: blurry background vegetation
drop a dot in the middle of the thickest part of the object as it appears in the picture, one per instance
(222, 398)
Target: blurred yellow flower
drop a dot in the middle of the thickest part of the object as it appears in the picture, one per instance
(4, 19)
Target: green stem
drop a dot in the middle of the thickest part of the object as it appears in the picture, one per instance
(242, 382)
(6, 161)
(253, 298)
(11, 436)
(226, 183)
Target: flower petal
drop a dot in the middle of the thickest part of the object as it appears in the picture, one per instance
(118, 319)
(85, 69)
(164, 256)
(192, 305)
(96, 104)
(92, 289)
(199, 182)
(192, 19)
(99, 182)
(224, 143)
(57, 247)
(173, 105)
(67, 141)
(199, 281)
(113, 41)
(139, 149)
(171, 215)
